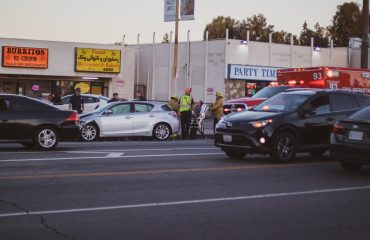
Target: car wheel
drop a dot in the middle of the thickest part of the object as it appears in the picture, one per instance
(350, 166)
(317, 153)
(161, 131)
(46, 138)
(89, 132)
(236, 154)
(284, 147)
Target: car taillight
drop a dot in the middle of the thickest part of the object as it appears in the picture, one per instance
(73, 117)
(338, 129)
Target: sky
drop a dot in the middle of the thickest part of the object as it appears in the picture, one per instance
(107, 21)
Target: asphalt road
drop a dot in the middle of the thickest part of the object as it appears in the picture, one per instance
(176, 190)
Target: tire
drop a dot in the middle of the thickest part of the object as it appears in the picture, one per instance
(89, 132)
(46, 138)
(162, 131)
(317, 153)
(235, 154)
(350, 166)
(284, 147)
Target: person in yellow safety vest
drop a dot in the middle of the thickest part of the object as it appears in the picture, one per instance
(217, 109)
(174, 104)
(186, 106)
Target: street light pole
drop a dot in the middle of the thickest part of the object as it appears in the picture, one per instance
(365, 34)
(175, 52)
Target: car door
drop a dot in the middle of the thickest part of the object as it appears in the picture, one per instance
(144, 119)
(118, 120)
(90, 103)
(6, 120)
(316, 121)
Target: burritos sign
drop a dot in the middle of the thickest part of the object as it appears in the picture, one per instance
(98, 60)
(25, 57)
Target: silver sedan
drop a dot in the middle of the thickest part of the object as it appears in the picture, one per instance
(130, 118)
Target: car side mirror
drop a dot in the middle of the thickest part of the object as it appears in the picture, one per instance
(108, 112)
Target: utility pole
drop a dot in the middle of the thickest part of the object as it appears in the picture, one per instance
(175, 52)
(365, 34)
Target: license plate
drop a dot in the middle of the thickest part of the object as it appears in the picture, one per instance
(227, 138)
(355, 135)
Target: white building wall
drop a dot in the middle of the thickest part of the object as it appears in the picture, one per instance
(216, 60)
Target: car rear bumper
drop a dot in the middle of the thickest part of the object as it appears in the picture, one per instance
(71, 132)
(350, 153)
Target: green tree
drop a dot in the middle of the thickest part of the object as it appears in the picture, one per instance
(283, 37)
(217, 28)
(320, 35)
(346, 23)
(306, 35)
(257, 26)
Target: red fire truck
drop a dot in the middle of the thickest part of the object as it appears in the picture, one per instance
(350, 79)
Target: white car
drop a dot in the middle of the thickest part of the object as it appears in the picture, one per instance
(91, 102)
(130, 119)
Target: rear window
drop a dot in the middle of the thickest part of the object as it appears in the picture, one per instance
(342, 102)
(26, 104)
(363, 101)
(363, 114)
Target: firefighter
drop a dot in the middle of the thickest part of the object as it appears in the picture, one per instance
(217, 109)
(174, 104)
(186, 106)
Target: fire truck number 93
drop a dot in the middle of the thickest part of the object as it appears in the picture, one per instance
(317, 76)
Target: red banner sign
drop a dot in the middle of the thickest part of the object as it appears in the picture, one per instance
(25, 57)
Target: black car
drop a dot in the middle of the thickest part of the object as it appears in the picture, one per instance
(35, 123)
(350, 140)
(287, 123)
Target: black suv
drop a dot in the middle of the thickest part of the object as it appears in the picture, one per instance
(287, 123)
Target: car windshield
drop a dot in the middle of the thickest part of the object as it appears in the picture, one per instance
(103, 108)
(268, 92)
(281, 103)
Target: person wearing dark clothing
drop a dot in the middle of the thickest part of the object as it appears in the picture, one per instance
(115, 98)
(76, 102)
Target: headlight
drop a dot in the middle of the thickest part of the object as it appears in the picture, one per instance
(262, 123)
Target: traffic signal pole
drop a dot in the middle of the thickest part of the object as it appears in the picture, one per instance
(365, 34)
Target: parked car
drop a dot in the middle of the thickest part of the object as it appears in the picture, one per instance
(287, 123)
(34, 123)
(241, 104)
(91, 102)
(350, 140)
(130, 118)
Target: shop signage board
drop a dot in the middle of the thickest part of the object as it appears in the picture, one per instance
(249, 72)
(25, 57)
(97, 60)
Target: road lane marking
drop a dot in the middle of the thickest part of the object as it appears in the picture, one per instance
(157, 171)
(103, 151)
(187, 202)
(97, 157)
(115, 154)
